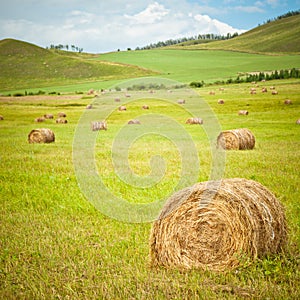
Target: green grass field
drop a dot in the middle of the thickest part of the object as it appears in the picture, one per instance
(56, 245)
(210, 66)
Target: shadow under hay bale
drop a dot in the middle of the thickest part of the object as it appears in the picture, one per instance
(98, 125)
(41, 135)
(236, 139)
(216, 225)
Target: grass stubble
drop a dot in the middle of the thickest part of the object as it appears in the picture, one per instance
(56, 245)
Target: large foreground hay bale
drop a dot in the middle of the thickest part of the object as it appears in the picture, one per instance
(218, 225)
(41, 135)
(236, 139)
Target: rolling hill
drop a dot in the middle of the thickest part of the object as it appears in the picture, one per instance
(25, 65)
(276, 37)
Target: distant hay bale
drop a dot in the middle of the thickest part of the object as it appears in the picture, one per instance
(61, 115)
(243, 112)
(274, 92)
(40, 119)
(264, 90)
(134, 122)
(117, 99)
(181, 101)
(89, 106)
(212, 93)
(221, 101)
(61, 121)
(217, 226)
(122, 108)
(41, 135)
(1, 118)
(91, 92)
(99, 125)
(48, 116)
(287, 101)
(236, 139)
(145, 106)
(194, 121)
(298, 122)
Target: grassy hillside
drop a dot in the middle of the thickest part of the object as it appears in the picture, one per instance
(280, 36)
(25, 65)
(209, 66)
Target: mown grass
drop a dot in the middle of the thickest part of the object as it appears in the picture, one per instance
(56, 245)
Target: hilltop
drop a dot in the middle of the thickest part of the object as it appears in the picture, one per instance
(25, 65)
(277, 37)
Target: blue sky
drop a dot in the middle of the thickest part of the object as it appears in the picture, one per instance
(100, 26)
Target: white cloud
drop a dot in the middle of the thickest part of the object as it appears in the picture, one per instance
(96, 29)
(153, 13)
(207, 25)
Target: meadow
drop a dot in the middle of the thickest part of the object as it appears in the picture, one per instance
(210, 66)
(55, 244)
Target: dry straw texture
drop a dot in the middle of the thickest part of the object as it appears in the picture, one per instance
(236, 139)
(216, 225)
(41, 135)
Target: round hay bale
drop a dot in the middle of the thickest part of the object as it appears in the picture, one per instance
(117, 99)
(61, 121)
(61, 115)
(181, 101)
(287, 101)
(221, 101)
(243, 112)
(194, 121)
(89, 106)
(122, 108)
(41, 135)
(298, 122)
(48, 116)
(1, 118)
(217, 225)
(145, 106)
(98, 125)
(236, 139)
(40, 119)
(133, 122)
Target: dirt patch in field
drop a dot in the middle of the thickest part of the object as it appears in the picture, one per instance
(39, 98)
